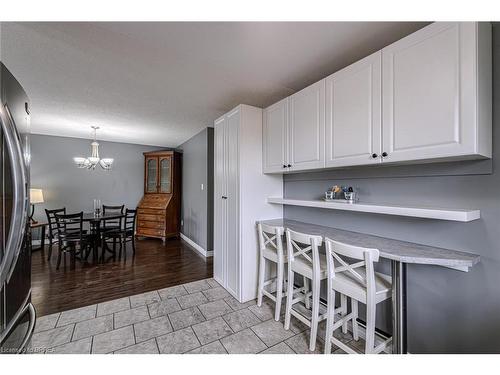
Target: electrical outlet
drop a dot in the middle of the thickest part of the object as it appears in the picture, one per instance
(182, 222)
(202, 187)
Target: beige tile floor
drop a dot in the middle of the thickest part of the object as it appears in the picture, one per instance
(198, 318)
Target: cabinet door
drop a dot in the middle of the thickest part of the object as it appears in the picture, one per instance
(165, 174)
(428, 78)
(151, 185)
(233, 203)
(353, 114)
(219, 202)
(307, 128)
(274, 146)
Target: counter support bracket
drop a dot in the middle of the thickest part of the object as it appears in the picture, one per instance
(399, 327)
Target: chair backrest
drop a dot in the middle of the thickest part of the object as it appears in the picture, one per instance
(69, 226)
(51, 220)
(271, 238)
(344, 258)
(112, 210)
(303, 246)
(130, 216)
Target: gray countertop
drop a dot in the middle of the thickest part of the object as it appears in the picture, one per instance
(406, 252)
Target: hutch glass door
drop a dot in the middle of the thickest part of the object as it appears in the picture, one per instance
(165, 174)
(151, 175)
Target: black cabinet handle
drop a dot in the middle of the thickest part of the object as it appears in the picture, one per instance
(284, 165)
(385, 154)
(374, 155)
(289, 165)
(224, 197)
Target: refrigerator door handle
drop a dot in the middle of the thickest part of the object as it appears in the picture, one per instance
(31, 328)
(20, 198)
(29, 332)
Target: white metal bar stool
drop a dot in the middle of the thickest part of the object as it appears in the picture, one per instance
(359, 281)
(304, 258)
(271, 249)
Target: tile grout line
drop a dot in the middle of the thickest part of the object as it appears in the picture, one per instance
(196, 337)
(133, 330)
(72, 333)
(223, 347)
(284, 342)
(157, 346)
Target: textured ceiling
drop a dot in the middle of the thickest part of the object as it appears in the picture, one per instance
(161, 83)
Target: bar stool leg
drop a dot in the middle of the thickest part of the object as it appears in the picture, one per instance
(370, 328)
(279, 292)
(329, 319)
(307, 302)
(262, 271)
(315, 314)
(354, 309)
(289, 298)
(343, 303)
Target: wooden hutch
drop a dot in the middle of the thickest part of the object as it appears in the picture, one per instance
(159, 211)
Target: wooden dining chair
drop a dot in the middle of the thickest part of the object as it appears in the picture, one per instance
(71, 236)
(111, 225)
(126, 234)
(52, 224)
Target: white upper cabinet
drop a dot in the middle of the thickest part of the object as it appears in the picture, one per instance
(274, 147)
(426, 97)
(437, 93)
(353, 114)
(306, 128)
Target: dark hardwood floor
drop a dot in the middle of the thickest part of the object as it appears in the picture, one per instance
(154, 266)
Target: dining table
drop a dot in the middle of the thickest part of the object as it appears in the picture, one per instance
(95, 222)
(399, 253)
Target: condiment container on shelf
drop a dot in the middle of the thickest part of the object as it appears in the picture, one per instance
(350, 195)
(329, 195)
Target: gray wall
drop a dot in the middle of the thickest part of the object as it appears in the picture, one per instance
(197, 204)
(449, 311)
(64, 185)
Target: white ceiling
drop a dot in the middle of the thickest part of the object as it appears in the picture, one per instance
(161, 83)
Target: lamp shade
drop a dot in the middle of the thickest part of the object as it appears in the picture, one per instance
(36, 196)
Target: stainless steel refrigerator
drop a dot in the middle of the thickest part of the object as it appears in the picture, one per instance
(17, 314)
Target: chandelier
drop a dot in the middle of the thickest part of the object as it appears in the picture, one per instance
(92, 161)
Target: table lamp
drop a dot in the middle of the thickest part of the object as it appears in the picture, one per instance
(36, 196)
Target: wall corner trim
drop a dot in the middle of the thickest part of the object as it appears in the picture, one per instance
(197, 247)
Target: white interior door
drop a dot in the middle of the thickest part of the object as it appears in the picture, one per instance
(307, 128)
(275, 119)
(233, 229)
(427, 81)
(219, 202)
(353, 114)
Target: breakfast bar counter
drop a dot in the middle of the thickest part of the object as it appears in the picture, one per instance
(400, 253)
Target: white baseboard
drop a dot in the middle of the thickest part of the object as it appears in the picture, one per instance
(197, 247)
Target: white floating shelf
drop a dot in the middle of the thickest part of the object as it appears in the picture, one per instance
(422, 212)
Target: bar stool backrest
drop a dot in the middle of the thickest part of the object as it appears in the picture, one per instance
(271, 238)
(348, 259)
(306, 246)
